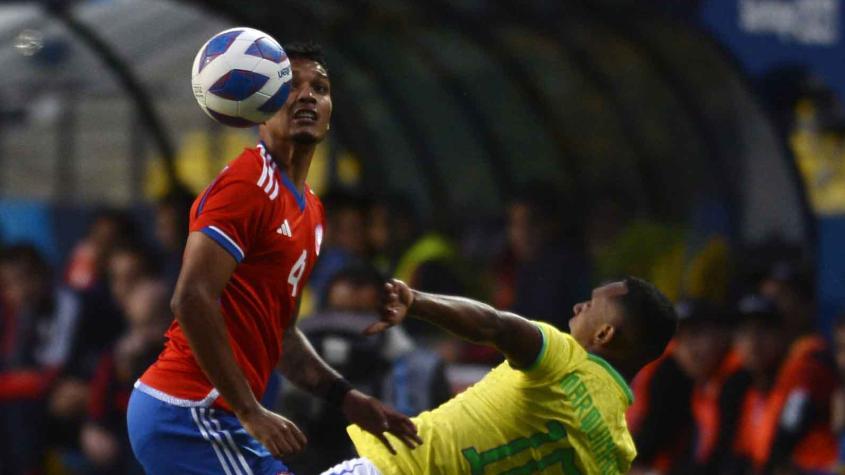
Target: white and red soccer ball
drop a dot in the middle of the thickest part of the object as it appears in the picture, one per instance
(241, 77)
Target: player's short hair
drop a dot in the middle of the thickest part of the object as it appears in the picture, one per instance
(651, 316)
(307, 50)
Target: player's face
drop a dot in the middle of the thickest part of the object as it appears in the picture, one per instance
(601, 309)
(125, 271)
(760, 345)
(19, 286)
(701, 348)
(305, 116)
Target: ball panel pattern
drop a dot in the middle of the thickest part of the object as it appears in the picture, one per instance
(230, 120)
(238, 84)
(277, 100)
(267, 49)
(217, 46)
(241, 77)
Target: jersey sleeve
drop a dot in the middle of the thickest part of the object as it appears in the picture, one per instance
(558, 355)
(230, 212)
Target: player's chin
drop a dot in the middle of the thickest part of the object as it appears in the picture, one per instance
(305, 136)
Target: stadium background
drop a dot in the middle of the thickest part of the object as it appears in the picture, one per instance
(696, 143)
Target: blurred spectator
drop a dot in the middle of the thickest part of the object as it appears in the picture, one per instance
(171, 230)
(388, 366)
(391, 229)
(784, 422)
(427, 260)
(355, 289)
(103, 320)
(538, 275)
(660, 418)
(88, 259)
(38, 326)
(791, 289)
(103, 438)
(345, 241)
(130, 264)
(705, 354)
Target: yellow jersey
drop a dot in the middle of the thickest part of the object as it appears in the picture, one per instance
(565, 414)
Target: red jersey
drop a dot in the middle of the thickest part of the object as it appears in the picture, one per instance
(254, 212)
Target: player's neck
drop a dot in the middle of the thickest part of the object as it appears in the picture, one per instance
(623, 366)
(298, 163)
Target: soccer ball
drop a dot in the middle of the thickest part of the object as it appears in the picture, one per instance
(241, 77)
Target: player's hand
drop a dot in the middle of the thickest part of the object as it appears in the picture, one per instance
(374, 417)
(279, 435)
(397, 300)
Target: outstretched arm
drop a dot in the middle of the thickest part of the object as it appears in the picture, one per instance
(517, 338)
(302, 366)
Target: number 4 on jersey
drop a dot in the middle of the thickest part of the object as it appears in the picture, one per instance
(296, 273)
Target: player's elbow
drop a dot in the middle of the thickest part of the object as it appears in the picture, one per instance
(492, 329)
(187, 303)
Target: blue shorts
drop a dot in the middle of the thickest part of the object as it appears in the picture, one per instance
(169, 439)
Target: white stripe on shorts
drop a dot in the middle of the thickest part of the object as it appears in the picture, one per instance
(231, 442)
(207, 437)
(227, 451)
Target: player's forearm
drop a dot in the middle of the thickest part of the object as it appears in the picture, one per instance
(203, 325)
(302, 366)
(469, 319)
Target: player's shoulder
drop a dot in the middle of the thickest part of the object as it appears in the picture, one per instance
(255, 174)
(558, 354)
(248, 165)
(554, 335)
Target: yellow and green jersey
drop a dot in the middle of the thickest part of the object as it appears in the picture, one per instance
(563, 415)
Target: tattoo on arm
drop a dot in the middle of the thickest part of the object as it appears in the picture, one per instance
(302, 366)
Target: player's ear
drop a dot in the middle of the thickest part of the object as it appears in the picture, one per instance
(604, 334)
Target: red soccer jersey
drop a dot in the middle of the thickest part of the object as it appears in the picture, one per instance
(255, 213)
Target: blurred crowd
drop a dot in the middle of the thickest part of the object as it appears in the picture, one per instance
(748, 386)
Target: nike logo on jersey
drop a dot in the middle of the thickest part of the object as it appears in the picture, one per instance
(284, 229)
